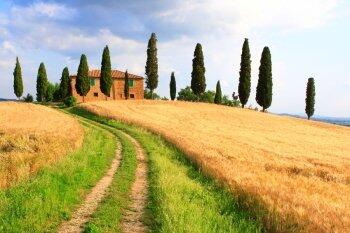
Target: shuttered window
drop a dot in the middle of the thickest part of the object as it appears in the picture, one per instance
(92, 82)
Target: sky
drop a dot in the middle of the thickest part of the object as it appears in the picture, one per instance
(306, 39)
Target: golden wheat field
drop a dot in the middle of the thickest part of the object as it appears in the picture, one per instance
(296, 167)
(32, 136)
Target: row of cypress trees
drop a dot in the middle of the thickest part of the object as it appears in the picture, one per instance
(264, 87)
(82, 84)
(198, 82)
(42, 83)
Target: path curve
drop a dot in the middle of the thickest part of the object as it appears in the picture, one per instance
(83, 214)
(132, 220)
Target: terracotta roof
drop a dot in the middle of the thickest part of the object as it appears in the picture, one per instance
(115, 74)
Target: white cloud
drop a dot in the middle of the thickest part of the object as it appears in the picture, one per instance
(41, 9)
(242, 16)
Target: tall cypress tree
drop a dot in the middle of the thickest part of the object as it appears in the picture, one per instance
(172, 86)
(106, 73)
(126, 85)
(198, 72)
(152, 64)
(41, 83)
(264, 88)
(65, 88)
(218, 94)
(82, 84)
(310, 98)
(17, 80)
(244, 74)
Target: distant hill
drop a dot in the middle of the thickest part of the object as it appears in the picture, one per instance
(333, 120)
(1, 99)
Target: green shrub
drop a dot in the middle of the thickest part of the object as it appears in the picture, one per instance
(233, 103)
(207, 97)
(187, 94)
(28, 98)
(148, 95)
(70, 101)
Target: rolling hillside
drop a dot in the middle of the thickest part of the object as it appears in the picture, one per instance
(298, 168)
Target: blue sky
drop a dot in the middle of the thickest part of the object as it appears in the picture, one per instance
(306, 38)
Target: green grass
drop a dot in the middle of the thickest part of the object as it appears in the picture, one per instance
(108, 215)
(181, 198)
(43, 202)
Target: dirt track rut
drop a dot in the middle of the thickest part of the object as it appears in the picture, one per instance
(92, 200)
(132, 220)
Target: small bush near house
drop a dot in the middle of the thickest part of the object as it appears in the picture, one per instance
(207, 97)
(28, 98)
(148, 95)
(70, 101)
(233, 103)
(187, 94)
(53, 92)
(164, 98)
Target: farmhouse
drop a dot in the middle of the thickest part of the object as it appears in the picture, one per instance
(117, 90)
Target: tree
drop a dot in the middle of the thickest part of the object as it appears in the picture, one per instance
(198, 72)
(310, 98)
(218, 94)
(57, 93)
(106, 73)
(264, 87)
(152, 64)
(65, 88)
(28, 98)
(82, 84)
(187, 94)
(17, 80)
(148, 95)
(207, 96)
(172, 86)
(49, 92)
(244, 74)
(126, 85)
(41, 83)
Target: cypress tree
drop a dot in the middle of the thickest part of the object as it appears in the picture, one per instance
(218, 94)
(106, 73)
(198, 72)
(152, 64)
(244, 74)
(310, 98)
(17, 80)
(172, 86)
(126, 85)
(41, 83)
(82, 84)
(65, 88)
(264, 87)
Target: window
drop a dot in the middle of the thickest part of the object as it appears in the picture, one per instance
(131, 82)
(95, 94)
(92, 82)
(132, 96)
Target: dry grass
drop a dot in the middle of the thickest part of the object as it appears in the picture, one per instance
(296, 167)
(32, 136)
